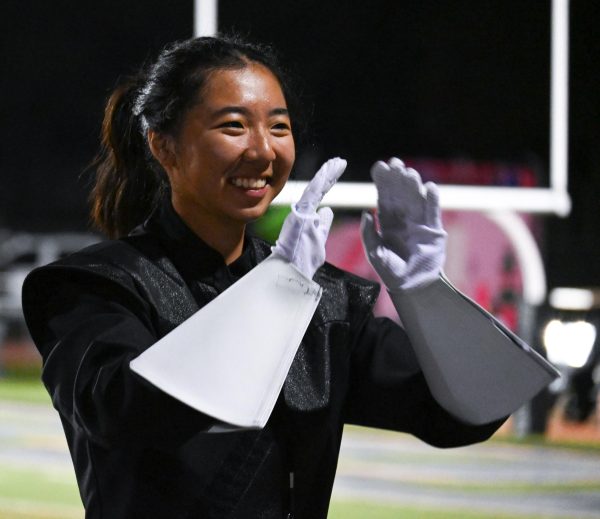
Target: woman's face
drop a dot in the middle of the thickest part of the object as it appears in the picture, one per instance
(235, 149)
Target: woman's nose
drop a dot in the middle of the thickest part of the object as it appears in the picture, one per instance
(260, 147)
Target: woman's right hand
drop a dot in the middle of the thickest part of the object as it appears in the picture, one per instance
(305, 230)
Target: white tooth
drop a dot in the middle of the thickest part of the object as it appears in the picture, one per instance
(249, 183)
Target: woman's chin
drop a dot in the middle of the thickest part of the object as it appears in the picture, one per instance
(250, 214)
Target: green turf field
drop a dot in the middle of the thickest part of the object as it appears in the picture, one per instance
(31, 494)
(27, 390)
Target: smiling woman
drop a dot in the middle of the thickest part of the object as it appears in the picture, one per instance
(193, 148)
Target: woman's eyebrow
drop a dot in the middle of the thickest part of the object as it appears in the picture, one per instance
(279, 111)
(244, 111)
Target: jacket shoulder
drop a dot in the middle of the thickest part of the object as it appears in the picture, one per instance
(133, 271)
(49, 290)
(103, 265)
(119, 260)
(109, 260)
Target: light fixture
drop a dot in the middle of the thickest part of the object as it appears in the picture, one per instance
(569, 343)
(571, 298)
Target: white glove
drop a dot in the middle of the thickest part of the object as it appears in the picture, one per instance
(305, 230)
(408, 251)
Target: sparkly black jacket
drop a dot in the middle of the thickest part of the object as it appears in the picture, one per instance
(138, 453)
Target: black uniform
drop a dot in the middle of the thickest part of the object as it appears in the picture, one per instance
(140, 453)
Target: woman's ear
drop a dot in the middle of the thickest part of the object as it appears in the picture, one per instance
(163, 149)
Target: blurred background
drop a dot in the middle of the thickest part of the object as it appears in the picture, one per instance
(460, 89)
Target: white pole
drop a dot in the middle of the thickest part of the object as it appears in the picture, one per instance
(559, 96)
(205, 17)
(528, 254)
(362, 195)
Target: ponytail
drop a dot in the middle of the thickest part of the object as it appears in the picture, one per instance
(129, 182)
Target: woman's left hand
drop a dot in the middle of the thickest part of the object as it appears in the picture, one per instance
(409, 248)
(305, 230)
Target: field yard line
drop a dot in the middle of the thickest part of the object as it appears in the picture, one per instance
(452, 504)
(396, 473)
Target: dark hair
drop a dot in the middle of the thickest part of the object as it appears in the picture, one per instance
(129, 181)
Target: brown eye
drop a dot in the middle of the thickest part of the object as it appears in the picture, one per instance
(281, 127)
(232, 124)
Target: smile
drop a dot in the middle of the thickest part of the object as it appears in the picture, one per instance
(249, 183)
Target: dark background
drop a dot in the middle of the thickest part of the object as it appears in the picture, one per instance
(446, 79)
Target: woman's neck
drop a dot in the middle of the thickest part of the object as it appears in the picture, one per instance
(229, 243)
(225, 236)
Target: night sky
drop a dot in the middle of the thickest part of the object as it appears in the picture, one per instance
(423, 78)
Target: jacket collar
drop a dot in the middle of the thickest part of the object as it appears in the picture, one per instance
(185, 248)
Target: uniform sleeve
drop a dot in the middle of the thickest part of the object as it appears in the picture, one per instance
(87, 329)
(388, 390)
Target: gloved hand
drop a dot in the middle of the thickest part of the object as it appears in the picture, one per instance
(408, 251)
(305, 230)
